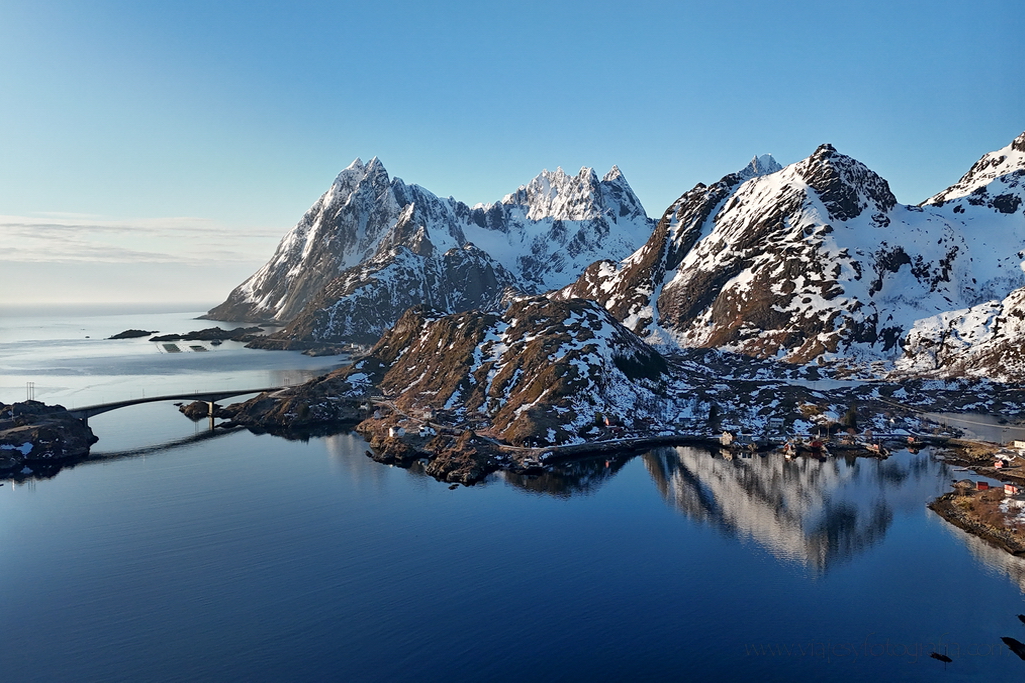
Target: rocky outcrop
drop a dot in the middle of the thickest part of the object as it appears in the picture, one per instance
(132, 334)
(32, 432)
(995, 181)
(211, 334)
(535, 375)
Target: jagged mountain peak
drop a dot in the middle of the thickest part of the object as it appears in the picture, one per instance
(348, 182)
(1018, 144)
(1003, 169)
(759, 166)
(358, 169)
(815, 258)
(613, 174)
(378, 241)
(558, 195)
(846, 186)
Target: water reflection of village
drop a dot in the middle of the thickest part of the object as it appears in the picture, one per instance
(817, 513)
(996, 559)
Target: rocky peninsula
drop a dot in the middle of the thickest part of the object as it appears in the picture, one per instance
(35, 435)
(469, 393)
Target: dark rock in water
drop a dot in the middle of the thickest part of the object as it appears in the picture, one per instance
(132, 334)
(1016, 646)
(32, 431)
(211, 334)
(198, 410)
(317, 404)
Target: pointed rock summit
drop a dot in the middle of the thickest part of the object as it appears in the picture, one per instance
(996, 181)
(760, 165)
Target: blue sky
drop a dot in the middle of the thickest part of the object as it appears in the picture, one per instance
(147, 141)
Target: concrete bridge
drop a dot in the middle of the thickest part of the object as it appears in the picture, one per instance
(210, 397)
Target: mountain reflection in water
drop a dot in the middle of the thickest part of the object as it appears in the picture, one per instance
(807, 511)
(571, 478)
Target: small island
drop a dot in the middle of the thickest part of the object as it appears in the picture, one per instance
(240, 334)
(132, 334)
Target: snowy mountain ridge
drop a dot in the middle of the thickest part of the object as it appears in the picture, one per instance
(816, 260)
(372, 246)
(1005, 164)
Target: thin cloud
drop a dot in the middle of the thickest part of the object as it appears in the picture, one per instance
(77, 238)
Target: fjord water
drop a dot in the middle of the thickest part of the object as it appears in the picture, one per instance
(176, 555)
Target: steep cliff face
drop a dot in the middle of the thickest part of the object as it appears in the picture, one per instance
(341, 229)
(363, 302)
(372, 246)
(816, 260)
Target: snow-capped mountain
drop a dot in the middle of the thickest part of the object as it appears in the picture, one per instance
(995, 180)
(817, 259)
(372, 246)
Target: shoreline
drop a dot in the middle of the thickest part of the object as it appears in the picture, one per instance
(974, 510)
(948, 508)
(458, 455)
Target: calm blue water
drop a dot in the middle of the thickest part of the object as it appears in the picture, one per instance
(244, 557)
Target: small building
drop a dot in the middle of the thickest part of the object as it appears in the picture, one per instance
(396, 432)
(1019, 445)
(1011, 489)
(998, 464)
(982, 486)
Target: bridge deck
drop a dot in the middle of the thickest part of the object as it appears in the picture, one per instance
(86, 412)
